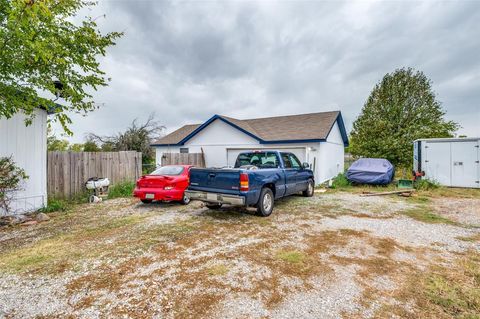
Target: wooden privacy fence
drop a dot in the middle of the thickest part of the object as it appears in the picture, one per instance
(195, 159)
(67, 172)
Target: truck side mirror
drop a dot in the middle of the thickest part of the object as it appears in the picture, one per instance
(306, 165)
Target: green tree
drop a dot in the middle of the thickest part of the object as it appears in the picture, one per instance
(42, 53)
(76, 147)
(90, 146)
(56, 144)
(400, 109)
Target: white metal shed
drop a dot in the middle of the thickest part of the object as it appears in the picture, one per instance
(449, 161)
(28, 147)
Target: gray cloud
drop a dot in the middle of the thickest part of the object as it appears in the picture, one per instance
(189, 60)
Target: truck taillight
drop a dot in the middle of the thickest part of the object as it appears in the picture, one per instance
(243, 182)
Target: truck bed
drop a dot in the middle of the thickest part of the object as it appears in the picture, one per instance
(216, 180)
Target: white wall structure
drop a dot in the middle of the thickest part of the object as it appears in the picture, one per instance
(221, 143)
(27, 145)
(449, 161)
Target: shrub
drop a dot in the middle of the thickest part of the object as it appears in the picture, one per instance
(56, 205)
(426, 184)
(11, 177)
(122, 189)
(341, 181)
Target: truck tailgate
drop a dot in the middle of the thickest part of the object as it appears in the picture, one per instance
(215, 180)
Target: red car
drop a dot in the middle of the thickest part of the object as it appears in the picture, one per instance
(167, 183)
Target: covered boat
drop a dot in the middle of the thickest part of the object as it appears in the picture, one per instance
(375, 171)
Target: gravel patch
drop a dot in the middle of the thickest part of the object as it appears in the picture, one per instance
(378, 206)
(406, 231)
(328, 298)
(465, 211)
(317, 295)
(29, 297)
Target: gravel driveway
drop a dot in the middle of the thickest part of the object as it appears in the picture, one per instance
(336, 254)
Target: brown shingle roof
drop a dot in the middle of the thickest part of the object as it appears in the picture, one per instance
(310, 126)
(294, 127)
(176, 136)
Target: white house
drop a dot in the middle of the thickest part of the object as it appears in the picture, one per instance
(27, 145)
(316, 138)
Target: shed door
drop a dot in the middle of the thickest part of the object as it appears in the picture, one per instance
(465, 164)
(437, 162)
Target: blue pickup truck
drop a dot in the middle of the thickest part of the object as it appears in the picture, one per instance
(258, 178)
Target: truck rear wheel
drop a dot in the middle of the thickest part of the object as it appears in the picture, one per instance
(310, 189)
(213, 206)
(265, 202)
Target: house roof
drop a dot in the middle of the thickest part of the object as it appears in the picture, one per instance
(312, 127)
(176, 136)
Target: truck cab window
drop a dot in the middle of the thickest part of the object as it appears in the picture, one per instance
(258, 159)
(286, 160)
(294, 160)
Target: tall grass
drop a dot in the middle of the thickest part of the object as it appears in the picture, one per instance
(426, 185)
(122, 189)
(341, 181)
(55, 204)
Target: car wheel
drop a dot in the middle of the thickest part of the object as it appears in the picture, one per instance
(310, 189)
(146, 201)
(265, 202)
(213, 206)
(185, 200)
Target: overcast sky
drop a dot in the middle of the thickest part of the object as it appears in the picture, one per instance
(187, 61)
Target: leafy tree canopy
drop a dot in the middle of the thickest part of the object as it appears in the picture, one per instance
(43, 54)
(400, 109)
(90, 146)
(56, 144)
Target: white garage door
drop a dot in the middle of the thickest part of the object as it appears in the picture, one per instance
(232, 154)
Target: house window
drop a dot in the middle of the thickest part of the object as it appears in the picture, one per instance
(183, 149)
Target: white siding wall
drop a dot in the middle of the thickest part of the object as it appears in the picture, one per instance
(219, 139)
(331, 155)
(28, 147)
(215, 139)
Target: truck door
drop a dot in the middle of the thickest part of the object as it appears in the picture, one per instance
(290, 175)
(302, 175)
(465, 164)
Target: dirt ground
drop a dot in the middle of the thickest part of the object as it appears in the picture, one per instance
(337, 254)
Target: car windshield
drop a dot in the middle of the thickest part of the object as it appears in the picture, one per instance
(168, 170)
(258, 159)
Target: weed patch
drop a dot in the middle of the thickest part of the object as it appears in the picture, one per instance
(122, 189)
(426, 185)
(473, 238)
(292, 256)
(341, 181)
(424, 214)
(56, 253)
(217, 270)
(56, 205)
(444, 292)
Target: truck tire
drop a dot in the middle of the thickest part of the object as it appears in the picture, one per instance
(310, 189)
(265, 202)
(213, 206)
